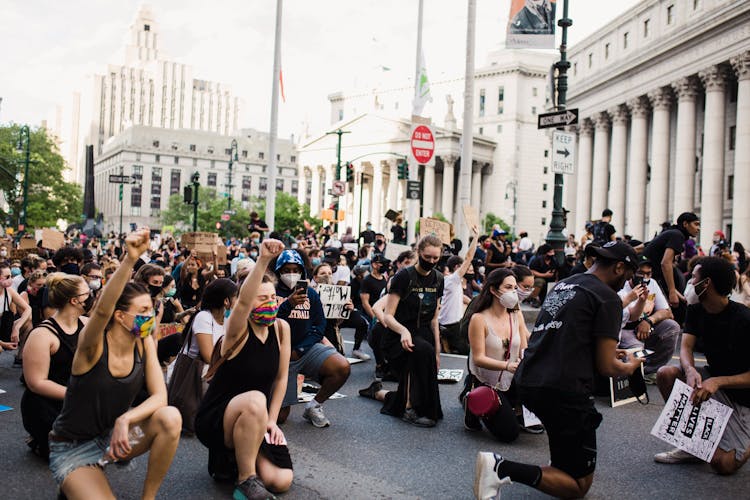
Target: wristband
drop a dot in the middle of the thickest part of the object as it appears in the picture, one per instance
(649, 321)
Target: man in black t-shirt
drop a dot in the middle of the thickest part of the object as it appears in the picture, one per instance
(373, 284)
(603, 230)
(724, 327)
(368, 235)
(257, 224)
(543, 267)
(575, 336)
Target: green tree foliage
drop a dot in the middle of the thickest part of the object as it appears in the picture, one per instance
(491, 219)
(50, 197)
(290, 214)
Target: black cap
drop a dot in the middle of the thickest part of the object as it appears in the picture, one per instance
(331, 255)
(615, 250)
(379, 258)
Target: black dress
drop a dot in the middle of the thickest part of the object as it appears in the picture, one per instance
(253, 369)
(39, 412)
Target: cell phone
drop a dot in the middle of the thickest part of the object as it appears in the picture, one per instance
(302, 285)
(643, 353)
(637, 280)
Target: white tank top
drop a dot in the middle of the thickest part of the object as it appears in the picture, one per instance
(494, 348)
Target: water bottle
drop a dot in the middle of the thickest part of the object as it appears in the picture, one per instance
(135, 434)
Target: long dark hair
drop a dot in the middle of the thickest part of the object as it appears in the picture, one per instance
(217, 292)
(485, 297)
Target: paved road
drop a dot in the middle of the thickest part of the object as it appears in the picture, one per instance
(368, 455)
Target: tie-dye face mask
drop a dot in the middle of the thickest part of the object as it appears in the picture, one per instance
(265, 314)
(143, 325)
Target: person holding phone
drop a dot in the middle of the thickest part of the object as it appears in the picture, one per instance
(302, 309)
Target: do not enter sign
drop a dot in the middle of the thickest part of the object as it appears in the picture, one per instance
(422, 144)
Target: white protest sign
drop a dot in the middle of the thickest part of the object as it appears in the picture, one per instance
(393, 250)
(694, 429)
(334, 298)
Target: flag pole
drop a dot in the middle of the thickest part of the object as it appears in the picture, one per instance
(411, 219)
(467, 136)
(273, 132)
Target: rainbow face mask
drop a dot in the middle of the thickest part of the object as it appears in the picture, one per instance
(265, 314)
(143, 325)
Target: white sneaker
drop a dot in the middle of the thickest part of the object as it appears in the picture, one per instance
(486, 483)
(315, 416)
(360, 355)
(676, 456)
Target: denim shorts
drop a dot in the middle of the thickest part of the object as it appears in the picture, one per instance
(67, 456)
(309, 365)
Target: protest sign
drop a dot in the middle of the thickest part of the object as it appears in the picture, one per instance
(620, 392)
(353, 247)
(437, 227)
(391, 215)
(531, 25)
(167, 329)
(448, 376)
(200, 242)
(52, 239)
(26, 243)
(471, 216)
(392, 250)
(334, 298)
(20, 253)
(694, 429)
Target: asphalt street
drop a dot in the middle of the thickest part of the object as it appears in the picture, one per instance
(368, 455)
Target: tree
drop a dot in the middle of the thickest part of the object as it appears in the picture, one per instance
(491, 219)
(289, 213)
(210, 210)
(50, 197)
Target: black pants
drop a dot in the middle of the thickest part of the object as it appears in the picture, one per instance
(503, 424)
(357, 321)
(453, 341)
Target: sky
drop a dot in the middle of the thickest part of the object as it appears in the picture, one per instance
(48, 48)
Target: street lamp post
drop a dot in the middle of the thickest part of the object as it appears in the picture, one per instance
(232, 159)
(339, 133)
(196, 185)
(25, 132)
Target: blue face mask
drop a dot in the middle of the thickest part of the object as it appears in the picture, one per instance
(227, 312)
(316, 261)
(241, 255)
(14, 271)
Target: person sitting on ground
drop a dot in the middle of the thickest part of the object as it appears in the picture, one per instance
(115, 357)
(322, 275)
(525, 282)
(498, 253)
(543, 267)
(302, 309)
(48, 356)
(241, 407)
(650, 321)
(722, 325)
(498, 337)
(411, 342)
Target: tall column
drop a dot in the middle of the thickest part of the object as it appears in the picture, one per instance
(428, 191)
(476, 189)
(583, 176)
(741, 201)
(315, 199)
(357, 193)
(635, 220)
(302, 186)
(658, 191)
(377, 195)
(392, 186)
(330, 177)
(618, 165)
(712, 176)
(449, 180)
(684, 172)
(600, 174)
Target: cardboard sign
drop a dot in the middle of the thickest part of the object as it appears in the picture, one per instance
(52, 239)
(351, 246)
(391, 215)
(334, 298)
(167, 329)
(393, 250)
(619, 391)
(437, 227)
(447, 376)
(471, 216)
(200, 242)
(694, 429)
(27, 243)
(20, 253)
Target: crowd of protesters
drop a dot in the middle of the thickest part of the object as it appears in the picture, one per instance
(127, 343)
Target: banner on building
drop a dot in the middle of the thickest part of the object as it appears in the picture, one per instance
(531, 24)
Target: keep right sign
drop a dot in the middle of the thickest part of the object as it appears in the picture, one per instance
(563, 152)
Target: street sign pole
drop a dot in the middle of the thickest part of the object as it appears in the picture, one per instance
(121, 196)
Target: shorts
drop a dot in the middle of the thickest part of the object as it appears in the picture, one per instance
(309, 365)
(571, 422)
(67, 456)
(737, 432)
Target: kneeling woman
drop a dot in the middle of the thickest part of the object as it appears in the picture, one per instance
(497, 337)
(115, 357)
(243, 400)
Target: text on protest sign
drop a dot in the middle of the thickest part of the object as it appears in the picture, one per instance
(437, 227)
(334, 298)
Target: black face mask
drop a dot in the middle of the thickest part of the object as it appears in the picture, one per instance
(88, 303)
(426, 266)
(154, 290)
(70, 268)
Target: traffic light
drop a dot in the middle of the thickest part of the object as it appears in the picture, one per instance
(403, 170)
(187, 194)
(349, 172)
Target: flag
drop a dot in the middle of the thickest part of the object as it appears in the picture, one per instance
(281, 85)
(531, 25)
(422, 92)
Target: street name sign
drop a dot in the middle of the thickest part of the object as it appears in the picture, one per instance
(563, 152)
(558, 118)
(413, 189)
(121, 179)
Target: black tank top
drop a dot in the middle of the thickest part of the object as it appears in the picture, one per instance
(96, 399)
(253, 369)
(61, 363)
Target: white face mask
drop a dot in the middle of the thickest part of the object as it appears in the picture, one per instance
(691, 296)
(523, 294)
(481, 270)
(509, 300)
(290, 279)
(95, 285)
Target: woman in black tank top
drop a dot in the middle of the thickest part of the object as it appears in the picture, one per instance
(48, 356)
(115, 357)
(241, 407)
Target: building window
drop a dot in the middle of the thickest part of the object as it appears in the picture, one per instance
(341, 114)
(606, 51)
(135, 211)
(696, 4)
(500, 100)
(244, 153)
(156, 144)
(293, 159)
(246, 185)
(174, 146)
(213, 163)
(625, 40)
(146, 27)
(481, 130)
(228, 151)
(192, 147)
(195, 162)
(546, 153)
(730, 187)
(481, 102)
(176, 160)
(670, 14)
(261, 155)
(533, 110)
(546, 170)
(155, 191)
(278, 157)
(732, 137)
(544, 221)
(263, 184)
(136, 190)
(138, 157)
(591, 59)
(534, 91)
(544, 187)
(646, 26)
(544, 203)
(279, 184)
(295, 187)
(157, 158)
(499, 129)
(174, 182)
(211, 182)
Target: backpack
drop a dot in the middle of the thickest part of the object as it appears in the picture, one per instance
(599, 231)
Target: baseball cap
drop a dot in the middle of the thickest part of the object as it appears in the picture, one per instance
(379, 258)
(615, 250)
(331, 255)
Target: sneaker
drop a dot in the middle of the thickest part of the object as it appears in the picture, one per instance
(371, 390)
(252, 488)
(471, 421)
(411, 417)
(534, 429)
(315, 416)
(486, 483)
(357, 353)
(650, 378)
(676, 456)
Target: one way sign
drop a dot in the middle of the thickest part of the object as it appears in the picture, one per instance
(558, 118)
(563, 152)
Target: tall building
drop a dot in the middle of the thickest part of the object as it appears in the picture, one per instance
(511, 175)
(150, 90)
(664, 99)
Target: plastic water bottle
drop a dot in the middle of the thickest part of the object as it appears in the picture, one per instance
(135, 434)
